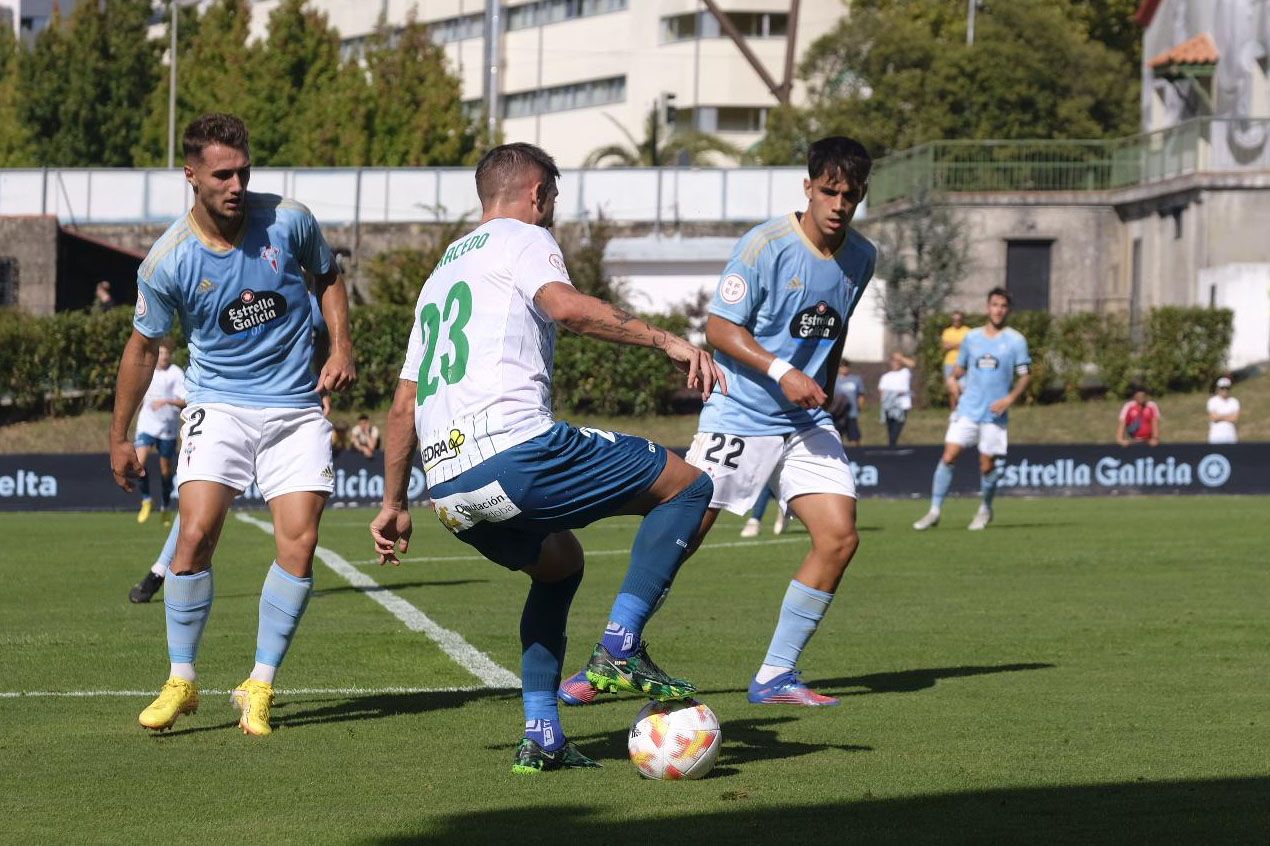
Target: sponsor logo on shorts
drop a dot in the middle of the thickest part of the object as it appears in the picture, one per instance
(488, 504)
(733, 288)
(328, 473)
(821, 322)
(440, 451)
(252, 310)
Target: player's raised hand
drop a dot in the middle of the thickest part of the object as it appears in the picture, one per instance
(124, 465)
(390, 530)
(802, 390)
(338, 372)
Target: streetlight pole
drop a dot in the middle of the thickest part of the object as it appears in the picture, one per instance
(970, 21)
(173, 7)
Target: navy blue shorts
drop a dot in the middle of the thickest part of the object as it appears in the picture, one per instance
(166, 446)
(565, 478)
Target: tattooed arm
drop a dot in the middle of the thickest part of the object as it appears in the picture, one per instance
(595, 318)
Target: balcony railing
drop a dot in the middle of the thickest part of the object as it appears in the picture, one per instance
(1202, 144)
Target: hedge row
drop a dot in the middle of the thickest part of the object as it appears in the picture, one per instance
(69, 360)
(1074, 355)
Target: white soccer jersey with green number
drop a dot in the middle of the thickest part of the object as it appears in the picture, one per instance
(480, 351)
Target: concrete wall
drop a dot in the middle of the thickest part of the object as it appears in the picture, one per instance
(33, 242)
(1245, 290)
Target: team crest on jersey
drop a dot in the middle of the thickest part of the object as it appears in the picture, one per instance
(270, 254)
(252, 310)
(205, 286)
(794, 284)
(821, 322)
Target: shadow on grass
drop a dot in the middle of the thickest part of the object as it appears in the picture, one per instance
(744, 741)
(377, 706)
(400, 586)
(1229, 810)
(902, 681)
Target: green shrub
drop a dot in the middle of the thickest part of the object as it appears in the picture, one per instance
(1185, 348)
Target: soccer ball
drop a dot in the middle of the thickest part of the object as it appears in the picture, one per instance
(674, 740)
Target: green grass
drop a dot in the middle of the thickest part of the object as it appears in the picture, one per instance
(1084, 670)
(1184, 416)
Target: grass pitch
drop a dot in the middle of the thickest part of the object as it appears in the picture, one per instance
(1085, 670)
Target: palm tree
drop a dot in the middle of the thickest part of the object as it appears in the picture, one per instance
(686, 147)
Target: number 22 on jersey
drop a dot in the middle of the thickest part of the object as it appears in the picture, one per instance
(444, 341)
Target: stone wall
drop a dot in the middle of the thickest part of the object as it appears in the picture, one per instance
(32, 241)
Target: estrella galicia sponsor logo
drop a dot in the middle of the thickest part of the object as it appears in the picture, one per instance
(821, 322)
(444, 449)
(1213, 470)
(1112, 472)
(987, 361)
(252, 309)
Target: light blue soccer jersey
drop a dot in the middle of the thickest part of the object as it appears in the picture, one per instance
(991, 365)
(796, 303)
(246, 310)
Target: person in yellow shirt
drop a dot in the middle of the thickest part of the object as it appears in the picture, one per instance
(950, 340)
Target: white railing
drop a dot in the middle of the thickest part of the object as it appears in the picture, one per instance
(404, 195)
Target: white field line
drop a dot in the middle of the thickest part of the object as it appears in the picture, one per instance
(590, 553)
(297, 691)
(463, 653)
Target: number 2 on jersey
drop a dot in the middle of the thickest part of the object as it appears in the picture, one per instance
(453, 364)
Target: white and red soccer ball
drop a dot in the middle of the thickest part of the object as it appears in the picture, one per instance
(675, 740)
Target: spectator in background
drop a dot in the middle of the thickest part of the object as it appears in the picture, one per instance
(102, 300)
(896, 389)
(848, 401)
(950, 339)
(1223, 414)
(364, 437)
(1139, 420)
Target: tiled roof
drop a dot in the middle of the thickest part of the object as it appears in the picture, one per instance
(1199, 50)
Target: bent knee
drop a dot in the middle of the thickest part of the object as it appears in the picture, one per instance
(840, 546)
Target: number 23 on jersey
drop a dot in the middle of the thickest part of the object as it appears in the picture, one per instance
(445, 345)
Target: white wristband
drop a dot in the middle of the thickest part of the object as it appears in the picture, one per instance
(778, 368)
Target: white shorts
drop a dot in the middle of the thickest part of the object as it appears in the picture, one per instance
(989, 437)
(283, 449)
(805, 462)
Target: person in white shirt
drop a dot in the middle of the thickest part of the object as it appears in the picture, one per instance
(1223, 414)
(896, 388)
(158, 425)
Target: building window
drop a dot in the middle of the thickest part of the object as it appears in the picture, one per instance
(704, 25)
(457, 29)
(560, 98)
(8, 281)
(724, 118)
(544, 12)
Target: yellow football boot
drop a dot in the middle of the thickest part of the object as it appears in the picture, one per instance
(144, 514)
(254, 699)
(177, 697)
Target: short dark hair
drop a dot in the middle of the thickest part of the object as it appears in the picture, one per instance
(363, 417)
(842, 157)
(500, 165)
(215, 128)
(1001, 292)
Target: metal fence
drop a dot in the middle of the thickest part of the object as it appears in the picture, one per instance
(404, 195)
(1203, 144)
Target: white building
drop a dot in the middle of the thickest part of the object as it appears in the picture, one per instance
(570, 72)
(29, 17)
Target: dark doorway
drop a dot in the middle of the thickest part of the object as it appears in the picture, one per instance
(83, 261)
(1027, 274)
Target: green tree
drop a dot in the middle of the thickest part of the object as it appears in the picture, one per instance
(395, 276)
(670, 147)
(416, 112)
(16, 148)
(898, 73)
(86, 82)
(296, 67)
